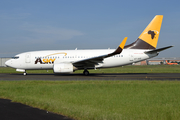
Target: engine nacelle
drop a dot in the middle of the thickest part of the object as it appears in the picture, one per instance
(63, 68)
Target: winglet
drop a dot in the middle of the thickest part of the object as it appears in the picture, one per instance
(123, 43)
(120, 47)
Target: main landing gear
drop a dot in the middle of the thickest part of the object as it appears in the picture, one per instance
(86, 72)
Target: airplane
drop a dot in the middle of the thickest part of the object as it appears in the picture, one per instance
(68, 61)
(167, 63)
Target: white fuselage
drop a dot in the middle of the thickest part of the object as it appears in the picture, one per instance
(45, 59)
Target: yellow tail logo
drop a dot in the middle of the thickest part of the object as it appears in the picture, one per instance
(151, 34)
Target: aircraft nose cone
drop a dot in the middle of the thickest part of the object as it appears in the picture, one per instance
(7, 63)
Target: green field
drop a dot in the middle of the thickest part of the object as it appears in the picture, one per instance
(124, 69)
(101, 100)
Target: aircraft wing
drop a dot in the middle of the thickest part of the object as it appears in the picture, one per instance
(91, 62)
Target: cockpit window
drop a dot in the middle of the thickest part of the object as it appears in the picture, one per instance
(16, 57)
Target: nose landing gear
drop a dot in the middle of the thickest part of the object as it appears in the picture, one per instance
(24, 73)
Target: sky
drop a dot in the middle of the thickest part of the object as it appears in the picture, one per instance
(31, 25)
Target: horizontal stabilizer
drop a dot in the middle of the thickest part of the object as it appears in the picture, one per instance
(158, 50)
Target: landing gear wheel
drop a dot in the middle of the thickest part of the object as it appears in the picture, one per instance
(25, 73)
(86, 72)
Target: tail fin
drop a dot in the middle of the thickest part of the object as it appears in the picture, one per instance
(149, 37)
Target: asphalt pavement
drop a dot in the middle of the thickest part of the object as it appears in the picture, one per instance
(17, 111)
(93, 76)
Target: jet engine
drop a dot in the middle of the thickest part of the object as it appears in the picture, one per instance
(63, 68)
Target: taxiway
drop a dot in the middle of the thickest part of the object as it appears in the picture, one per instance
(107, 76)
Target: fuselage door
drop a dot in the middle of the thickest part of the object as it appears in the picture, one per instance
(28, 58)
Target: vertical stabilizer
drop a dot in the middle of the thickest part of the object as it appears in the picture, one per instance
(149, 37)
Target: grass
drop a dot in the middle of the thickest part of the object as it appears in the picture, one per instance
(99, 100)
(124, 69)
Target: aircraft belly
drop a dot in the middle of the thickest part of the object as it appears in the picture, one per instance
(115, 62)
